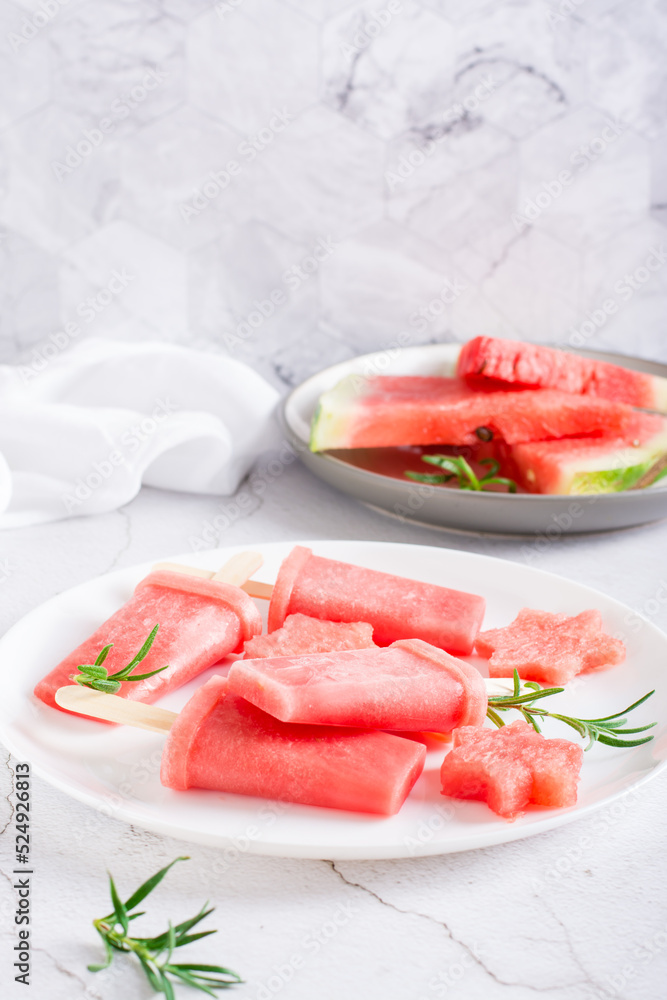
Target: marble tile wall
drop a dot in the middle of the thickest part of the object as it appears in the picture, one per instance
(296, 181)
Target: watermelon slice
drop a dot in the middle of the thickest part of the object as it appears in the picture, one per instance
(549, 648)
(409, 685)
(221, 742)
(606, 464)
(302, 634)
(389, 411)
(510, 768)
(530, 365)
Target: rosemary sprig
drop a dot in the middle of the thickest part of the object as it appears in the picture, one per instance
(603, 730)
(94, 675)
(114, 931)
(456, 467)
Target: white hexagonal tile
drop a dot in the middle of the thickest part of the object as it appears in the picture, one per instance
(296, 321)
(658, 155)
(624, 286)
(259, 59)
(473, 316)
(319, 10)
(186, 178)
(29, 298)
(539, 72)
(609, 263)
(388, 69)
(524, 101)
(24, 65)
(187, 10)
(323, 178)
(535, 286)
(60, 181)
(456, 189)
(246, 291)
(560, 12)
(120, 64)
(48, 15)
(627, 69)
(584, 178)
(385, 286)
(304, 357)
(122, 282)
(456, 11)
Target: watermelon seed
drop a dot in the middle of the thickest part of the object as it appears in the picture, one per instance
(484, 433)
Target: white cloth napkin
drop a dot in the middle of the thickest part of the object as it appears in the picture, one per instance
(82, 434)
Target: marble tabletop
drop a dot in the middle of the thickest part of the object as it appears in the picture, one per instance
(576, 913)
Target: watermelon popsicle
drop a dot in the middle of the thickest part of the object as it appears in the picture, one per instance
(396, 607)
(222, 743)
(408, 686)
(200, 621)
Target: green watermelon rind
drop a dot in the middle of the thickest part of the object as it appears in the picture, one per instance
(315, 427)
(334, 414)
(609, 480)
(613, 480)
(619, 477)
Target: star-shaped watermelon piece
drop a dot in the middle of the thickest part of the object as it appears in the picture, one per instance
(510, 768)
(550, 648)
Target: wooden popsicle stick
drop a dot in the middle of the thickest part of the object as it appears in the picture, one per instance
(236, 570)
(256, 589)
(111, 708)
(239, 568)
(205, 574)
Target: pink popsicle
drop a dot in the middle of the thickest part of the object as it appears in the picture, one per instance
(200, 622)
(222, 742)
(409, 685)
(396, 607)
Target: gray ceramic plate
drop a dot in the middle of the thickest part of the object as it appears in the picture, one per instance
(548, 516)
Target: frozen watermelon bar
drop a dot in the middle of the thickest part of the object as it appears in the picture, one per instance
(518, 364)
(550, 648)
(384, 411)
(510, 768)
(221, 742)
(408, 686)
(200, 620)
(302, 634)
(606, 464)
(396, 607)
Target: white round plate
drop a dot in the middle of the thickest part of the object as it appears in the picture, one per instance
(117, 770)
(443, 507)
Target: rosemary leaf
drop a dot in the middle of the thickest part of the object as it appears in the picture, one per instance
(104, 652)
(148, 951)
(151, 883)
(119, 908)
(603, 730)
(95, 676)
(456, 467)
